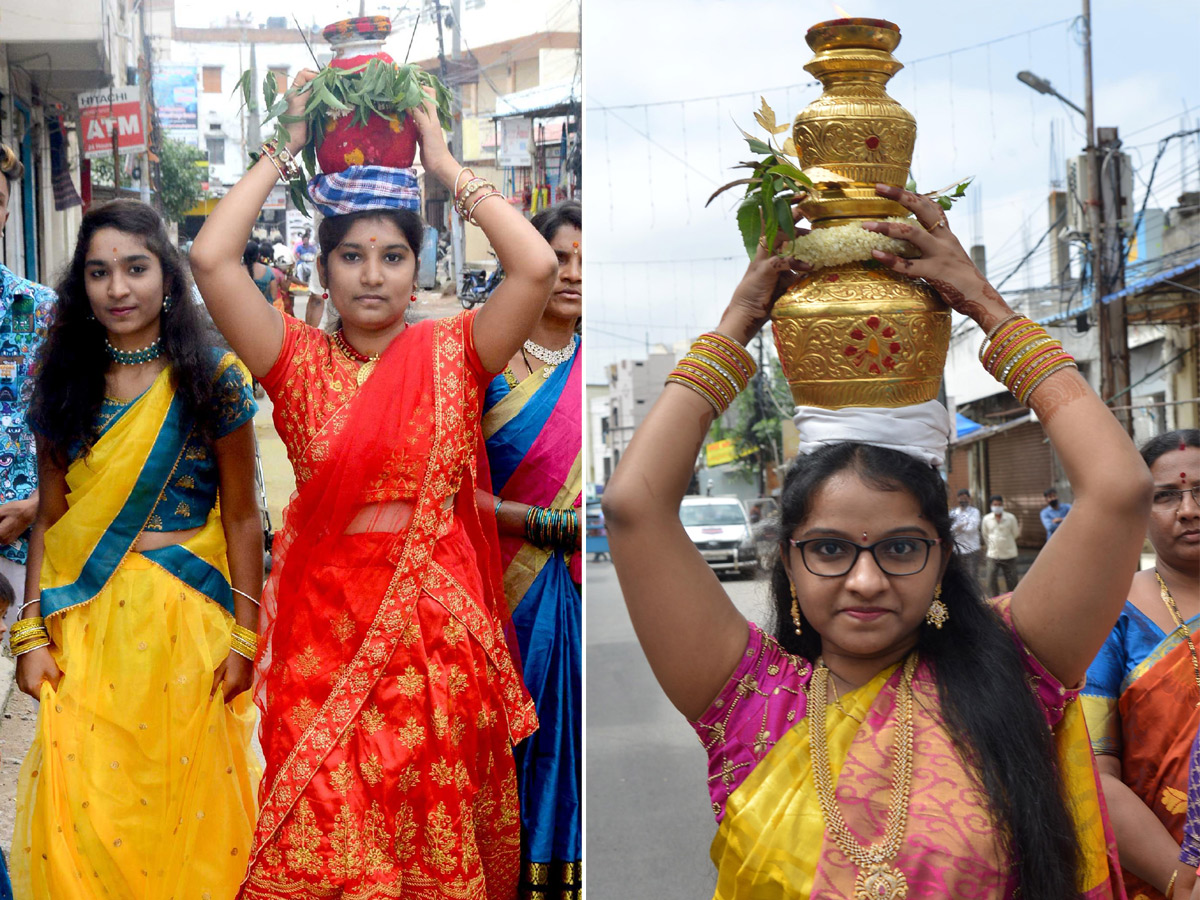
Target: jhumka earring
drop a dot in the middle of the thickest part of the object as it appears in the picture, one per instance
(412, 298)
(167, 303)
(795, 608)
(938, 613)
(324, 295)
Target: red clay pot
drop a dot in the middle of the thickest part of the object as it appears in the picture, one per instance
(390, 141)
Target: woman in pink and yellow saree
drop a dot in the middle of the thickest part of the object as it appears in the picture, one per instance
(893, 735)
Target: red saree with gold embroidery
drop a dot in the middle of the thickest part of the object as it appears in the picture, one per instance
(389, 700)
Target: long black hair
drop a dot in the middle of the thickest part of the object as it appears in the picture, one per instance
(69, 389)
(996, 724)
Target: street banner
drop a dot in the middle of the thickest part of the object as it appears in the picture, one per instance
(516, 142)
(108, 109)
(718, 453)
(175, 98)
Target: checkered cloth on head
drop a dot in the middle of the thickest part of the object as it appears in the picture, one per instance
(360, 188)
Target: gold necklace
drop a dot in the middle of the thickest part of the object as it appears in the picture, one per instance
(368, 362)
(876, 880)
(1180, 625)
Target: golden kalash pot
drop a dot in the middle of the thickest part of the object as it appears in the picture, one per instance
(858, 334)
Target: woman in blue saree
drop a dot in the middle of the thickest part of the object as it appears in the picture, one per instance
(533, 426)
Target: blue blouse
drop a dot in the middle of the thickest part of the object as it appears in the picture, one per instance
(192, 490)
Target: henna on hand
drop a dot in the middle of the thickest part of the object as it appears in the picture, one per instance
(1057, 392)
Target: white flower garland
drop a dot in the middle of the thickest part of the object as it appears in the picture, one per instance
(840, 244)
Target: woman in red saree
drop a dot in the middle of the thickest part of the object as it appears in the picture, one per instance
(390, 701)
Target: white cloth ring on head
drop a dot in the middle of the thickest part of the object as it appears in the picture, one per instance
(921, 430)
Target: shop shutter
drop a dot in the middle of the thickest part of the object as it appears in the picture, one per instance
(1019, 469)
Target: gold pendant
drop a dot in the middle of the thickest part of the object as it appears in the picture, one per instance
(365, 371)
(878, 882)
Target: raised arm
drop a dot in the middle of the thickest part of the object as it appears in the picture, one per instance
(530, 266)
(689, 629)
(1067, 604)
(253, 327)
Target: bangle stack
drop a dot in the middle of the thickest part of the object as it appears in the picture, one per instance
(551, 527)
(283, 161)
(243, 642)
(717, 368)
(475, 190)
(28, 634)
(1021, 355)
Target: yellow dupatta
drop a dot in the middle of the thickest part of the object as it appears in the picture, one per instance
(111, 493)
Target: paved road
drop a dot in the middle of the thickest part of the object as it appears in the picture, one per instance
(649, 818)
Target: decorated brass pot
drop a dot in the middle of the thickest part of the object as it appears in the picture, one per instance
(858, 334)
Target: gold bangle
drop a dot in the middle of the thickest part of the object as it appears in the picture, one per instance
(994, 334)
(695, 384)
(1001, 324)
(30, 623)
(471, 215)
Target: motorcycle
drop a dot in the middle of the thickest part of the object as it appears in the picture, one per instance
(477, 285)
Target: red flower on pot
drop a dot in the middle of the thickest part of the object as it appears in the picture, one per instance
(874, 347)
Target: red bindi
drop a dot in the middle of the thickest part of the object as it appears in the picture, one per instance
(864, 535)
(372, 238)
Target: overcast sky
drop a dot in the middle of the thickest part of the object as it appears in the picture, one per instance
(645, 198)
(483, 22)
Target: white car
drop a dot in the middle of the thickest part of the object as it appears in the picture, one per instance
(720, 529)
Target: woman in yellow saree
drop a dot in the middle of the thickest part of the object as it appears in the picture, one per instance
(893, 735)
(139, 784)
(1142, 699)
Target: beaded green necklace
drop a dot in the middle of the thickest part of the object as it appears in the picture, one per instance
(134, 357)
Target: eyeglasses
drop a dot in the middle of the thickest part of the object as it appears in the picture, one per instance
(1171, 497)
(832, 557)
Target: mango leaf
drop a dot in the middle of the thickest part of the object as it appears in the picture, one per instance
(945, 202)
(298, 194)
(911, 184)
(243, 84)
(788, 170)
(757, 146)
(789, 147)
(783, 215)
(749, 219)
(270, 89)
(309, 157)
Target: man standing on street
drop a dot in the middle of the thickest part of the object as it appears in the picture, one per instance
(25, 312)
(964, 527)
(1054, 512)
(1000, 530)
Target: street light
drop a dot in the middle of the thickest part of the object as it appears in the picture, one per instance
(1042, 86)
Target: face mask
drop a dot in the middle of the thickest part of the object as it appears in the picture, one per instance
(997, 509)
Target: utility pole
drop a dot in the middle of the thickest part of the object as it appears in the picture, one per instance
(144, 91)
(457, 250)
(1114, 375)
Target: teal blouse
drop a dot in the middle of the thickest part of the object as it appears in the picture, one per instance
(192, 490)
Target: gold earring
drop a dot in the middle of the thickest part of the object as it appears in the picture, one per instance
(938, 613)
(795, 608)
